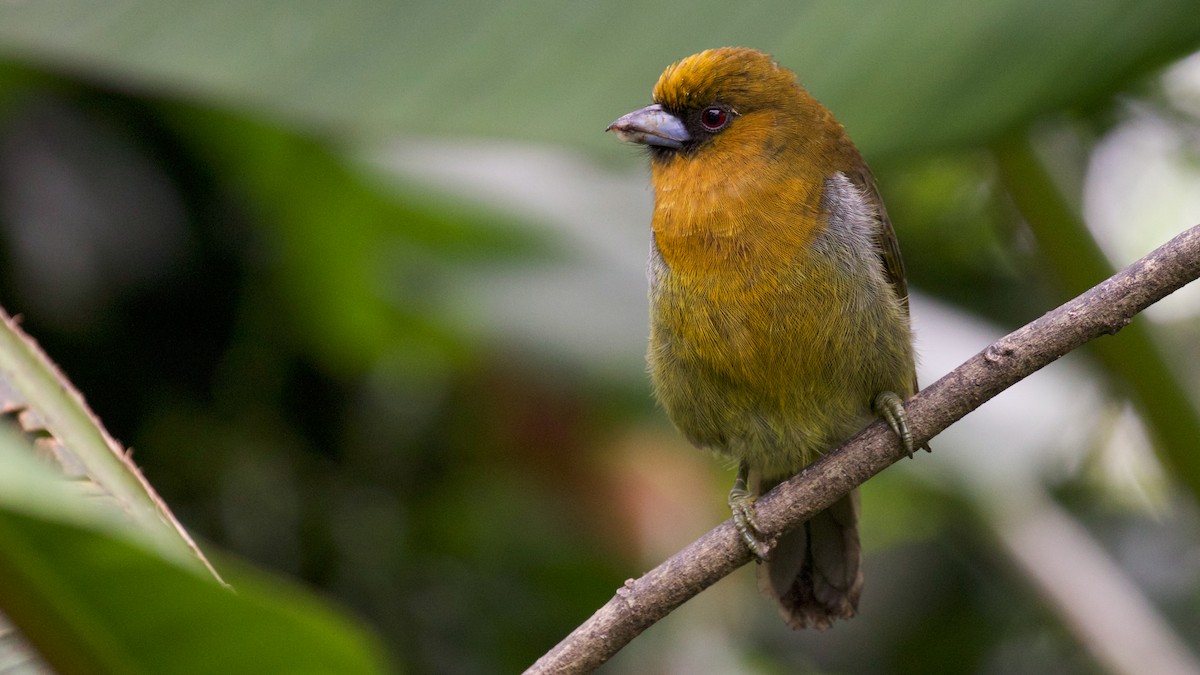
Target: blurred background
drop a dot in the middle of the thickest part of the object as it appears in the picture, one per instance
(362, 286)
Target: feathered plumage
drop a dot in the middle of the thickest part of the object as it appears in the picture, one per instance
(778, 305)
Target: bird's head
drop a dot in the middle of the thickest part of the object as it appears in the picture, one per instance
(738, 95)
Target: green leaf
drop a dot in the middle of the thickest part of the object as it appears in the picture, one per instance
(46, 402)
(901, 75)
(92, 598)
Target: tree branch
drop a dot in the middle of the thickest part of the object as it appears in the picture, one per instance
(1135, 364)
(1103, 310)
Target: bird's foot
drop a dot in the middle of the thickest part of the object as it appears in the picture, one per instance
(745, 518)
(889, 406)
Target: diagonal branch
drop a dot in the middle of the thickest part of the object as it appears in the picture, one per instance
(1103, 310)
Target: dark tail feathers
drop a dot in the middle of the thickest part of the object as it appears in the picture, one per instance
(814, 571)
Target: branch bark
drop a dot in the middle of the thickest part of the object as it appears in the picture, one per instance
(1103, 310)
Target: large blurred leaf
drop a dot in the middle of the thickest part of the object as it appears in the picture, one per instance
(44, 402)
(80, 586)
(902, 75)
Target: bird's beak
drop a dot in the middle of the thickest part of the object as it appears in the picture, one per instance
(651, 126)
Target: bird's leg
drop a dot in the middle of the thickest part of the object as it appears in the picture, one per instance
(889, 406)
(741, 502)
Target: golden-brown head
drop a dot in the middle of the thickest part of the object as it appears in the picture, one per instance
(737, 100)
(742, 79)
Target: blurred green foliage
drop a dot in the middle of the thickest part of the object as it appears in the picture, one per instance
(96, 593)
(189, 226)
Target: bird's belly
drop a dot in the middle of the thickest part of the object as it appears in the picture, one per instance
(759, 386)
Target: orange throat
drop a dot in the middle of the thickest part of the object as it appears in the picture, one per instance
(709, 219)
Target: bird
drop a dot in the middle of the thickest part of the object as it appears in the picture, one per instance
(779, 318)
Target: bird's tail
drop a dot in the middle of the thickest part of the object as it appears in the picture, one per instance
(813, 571)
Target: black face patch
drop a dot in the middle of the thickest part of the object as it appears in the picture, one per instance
(699, 122)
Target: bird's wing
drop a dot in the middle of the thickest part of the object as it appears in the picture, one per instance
(889, 250)
(889, 246)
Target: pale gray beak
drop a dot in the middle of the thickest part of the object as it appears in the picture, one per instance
(651, 126)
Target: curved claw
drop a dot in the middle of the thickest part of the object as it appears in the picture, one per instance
(889, 406)
(741, 503)
(742, 506)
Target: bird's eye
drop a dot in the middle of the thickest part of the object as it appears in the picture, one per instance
(714, 119)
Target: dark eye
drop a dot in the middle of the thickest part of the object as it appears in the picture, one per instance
(714, 119)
